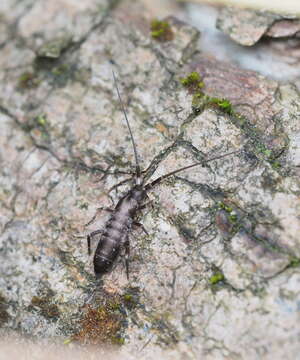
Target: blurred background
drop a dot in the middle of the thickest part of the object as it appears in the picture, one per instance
(276, 57)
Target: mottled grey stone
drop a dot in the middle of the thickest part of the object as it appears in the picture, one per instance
(218, 276)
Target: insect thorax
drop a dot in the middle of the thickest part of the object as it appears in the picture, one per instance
(137, 193)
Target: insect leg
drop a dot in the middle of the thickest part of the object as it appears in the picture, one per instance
(119, 184)
(89, 244)
(98, 211)
(127, 253)
(124, 181)
(89, 237)
(146, 205)
(158, 180)
(137, 224)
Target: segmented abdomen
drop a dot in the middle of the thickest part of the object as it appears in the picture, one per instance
(117, 229)
(108, 249)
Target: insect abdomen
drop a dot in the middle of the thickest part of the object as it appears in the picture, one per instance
(116, 231)
(110, 243)
(106, 253)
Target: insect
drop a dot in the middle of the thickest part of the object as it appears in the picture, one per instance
(115, 234)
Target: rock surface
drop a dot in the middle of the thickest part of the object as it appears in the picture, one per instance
(247, 27)
(218, 275)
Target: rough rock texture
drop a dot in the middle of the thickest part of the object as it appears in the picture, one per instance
(247, 27)
(218, 275)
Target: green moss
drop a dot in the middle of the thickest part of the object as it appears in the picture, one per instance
(67, 341)
(192, 78)
(225, 207)
(118, 340)
(294, 262)
(231, 215)
(276, 165)
(261, 148)
(161, 30)
(216, 278)
(193, 83)
(222, 104)
(28, 80)
(131, 298)
(233, 218)
(41, 120)
(200, 100)
(128, 297)
(198, 97)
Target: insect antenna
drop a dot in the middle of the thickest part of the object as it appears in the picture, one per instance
(158, 180)
(137, 166)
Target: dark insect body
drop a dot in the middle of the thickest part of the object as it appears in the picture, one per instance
(115, 235)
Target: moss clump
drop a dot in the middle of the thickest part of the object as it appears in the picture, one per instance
(216, 278)
(233, 218)
(104, 324)
(45, 307)
(101, 325)
(222, 104)
(28, 80)
(128, 297)
(225, 207)
(193, 83)
(264, 150)
(39, 126)
(231, 215)
(295, 262)
(200, 101)
(275, 165)
(41, 120)
(161, 30)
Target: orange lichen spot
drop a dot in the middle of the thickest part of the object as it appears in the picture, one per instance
(161, 128)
